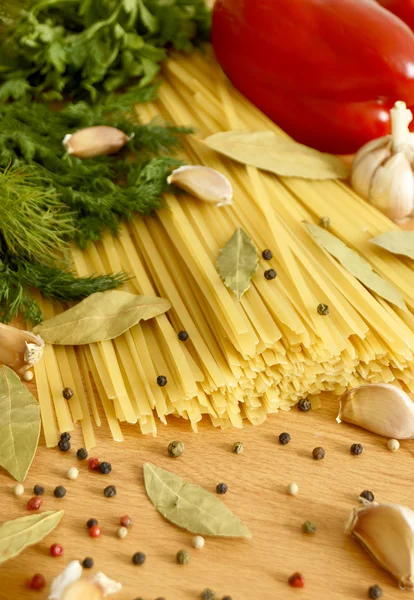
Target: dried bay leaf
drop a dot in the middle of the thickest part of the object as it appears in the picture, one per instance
(238, 262)
(101, 316)
(19, 424)
(396, 242)
(270, 152)
(189, 506)
(20, 533)
(355, 264)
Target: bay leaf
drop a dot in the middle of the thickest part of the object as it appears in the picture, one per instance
(20, 533)
(396, 242)
(19, 424)
(270, 152)
(101, 316)
(355, 264)
(238, 262)
(189, 506)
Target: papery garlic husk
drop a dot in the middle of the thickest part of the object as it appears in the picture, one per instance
(387, 532)
(382, 170)
(379, 407)
(69, 585)
(95, 141)
(205, 183)
(19, 350)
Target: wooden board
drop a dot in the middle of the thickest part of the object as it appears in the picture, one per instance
(334, 565)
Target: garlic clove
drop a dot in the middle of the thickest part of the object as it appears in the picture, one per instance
(205, 183)
(387, 532)
(392, 187)
(364, 170)
(95, 141)
(70, 586)
(19, 349)
(381, 408)
(382, 143)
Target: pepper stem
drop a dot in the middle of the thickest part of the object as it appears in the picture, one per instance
(401, 117)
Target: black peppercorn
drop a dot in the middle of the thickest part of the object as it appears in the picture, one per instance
(318, 453)
(270, 274)
(82, 453)
(65, 436)
(59, 491)
(222, 488)
(105, 468)
(183, 336)
(67, 393)
(138, 558)
(323, 310)
(367, 495)
(87, 562)
(160, 598)
(356, 449)
(110, 491)
(64, 445)
(304, 405)
(284, 438)
(91, 523)
(374, 592)
(38, 490)
(227, 598)
(267, 254)
(161, 380)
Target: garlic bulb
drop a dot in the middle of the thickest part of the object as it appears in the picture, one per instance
(19, 349)
(95, 141)
(387, 532)
(382, 171)
(381, 408)
(69, 585)
(205, 183)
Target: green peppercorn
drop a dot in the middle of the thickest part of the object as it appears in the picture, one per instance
(323, 309)
(318, 453)
(304, 405)
(175, 449)
(374, 592)
(324, 222)
(270, 274)
(284, 438)
(238, 448)
(309, 527)
(67, 393)
(267, 254)
(183, 336)
(356, 449)
(110, 491)
(208, 594)
(183, 557)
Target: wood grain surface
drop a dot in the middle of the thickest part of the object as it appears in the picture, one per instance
(334, 565)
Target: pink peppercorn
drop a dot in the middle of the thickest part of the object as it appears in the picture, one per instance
(125, 521)
(297, 580)
(56, 550)
(34, 503)
(37, 582)
(95, 531)
(93, 464)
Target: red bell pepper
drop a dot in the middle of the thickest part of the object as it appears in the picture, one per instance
(326, 71)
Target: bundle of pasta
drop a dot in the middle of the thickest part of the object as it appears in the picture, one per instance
(243, 359)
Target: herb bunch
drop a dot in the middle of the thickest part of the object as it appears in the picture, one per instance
(82, 48)
(53, 198)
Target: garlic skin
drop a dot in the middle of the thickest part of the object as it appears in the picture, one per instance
(387, 532)
(19, 349)
(205, 183)
(95, 141)
(382, 170)
(69, 585)
(381, 408)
